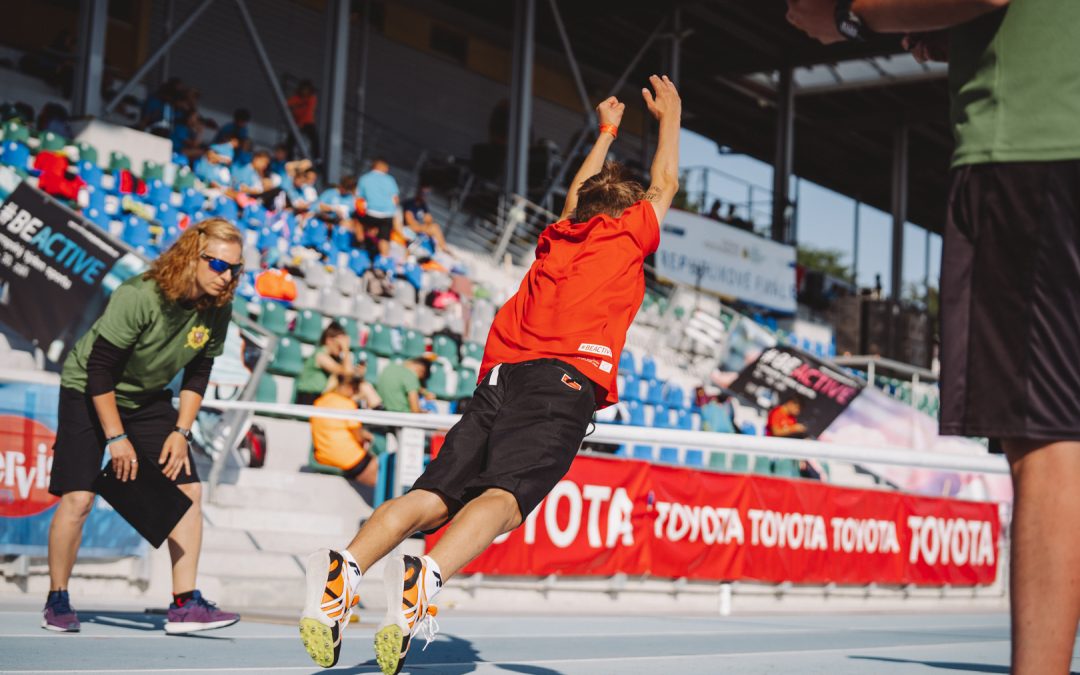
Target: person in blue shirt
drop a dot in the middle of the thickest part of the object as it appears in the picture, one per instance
(185, 135)
(380, 193)
(717, 415)
(213, 167)
(238, 127)
(300, 186)
(254, 178)
(337, 204)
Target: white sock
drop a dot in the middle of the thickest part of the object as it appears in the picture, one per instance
(432, 578)
(352, 571)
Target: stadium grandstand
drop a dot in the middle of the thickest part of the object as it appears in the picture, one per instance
(775, 448)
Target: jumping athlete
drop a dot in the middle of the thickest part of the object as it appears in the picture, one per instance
(551, 360)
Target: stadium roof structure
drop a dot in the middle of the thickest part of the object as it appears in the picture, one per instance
(867, 121)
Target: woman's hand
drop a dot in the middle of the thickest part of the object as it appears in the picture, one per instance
(174, 456)
(666, 102)
(610, 111)
(124, 462)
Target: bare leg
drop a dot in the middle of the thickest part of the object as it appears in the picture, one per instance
(185, 542)
(65, 535)
(434, 230)
(1045, 578)
(393, 522)
(370, 475)
(474, 528)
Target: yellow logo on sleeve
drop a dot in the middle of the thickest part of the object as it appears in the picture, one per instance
(198, 337)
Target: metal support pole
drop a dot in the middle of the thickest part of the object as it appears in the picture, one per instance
(170, 18)
(575, 71)
(271, 78)
(361, 88)
(333, 94)
(90, 67)
(782, 160)
(145, 68)
(675, 63)
(926, 265)
(560, 174)
(899, 209)
(517, 152)
(855, 246)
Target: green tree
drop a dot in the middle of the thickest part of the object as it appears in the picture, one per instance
(829, 261)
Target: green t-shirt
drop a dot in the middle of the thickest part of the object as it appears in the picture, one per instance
(393, 386)
(1014, 80)
(165, 337)
(312, 379)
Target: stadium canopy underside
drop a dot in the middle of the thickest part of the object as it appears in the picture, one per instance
(854, 104)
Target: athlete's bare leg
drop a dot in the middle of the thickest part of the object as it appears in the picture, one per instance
(393, 522)
(474, 528)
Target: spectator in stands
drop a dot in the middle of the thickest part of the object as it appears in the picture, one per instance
(401, 385)
(302, 105)
(237, 127)
(300, 187)
(172, 320)
(158, 108)
(419, 220)
(336, 204)
(714, 210)
(783, 421)
(186, 136)
(331, 359)
(718, 415)
(54, 117)
(213, 168)
(255, 179)
(342, 443)
(380, 193)
(534, 404)
(279, 160)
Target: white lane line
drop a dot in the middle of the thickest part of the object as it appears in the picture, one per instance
(540, 662)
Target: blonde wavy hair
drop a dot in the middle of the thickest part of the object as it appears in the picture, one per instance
(174, 270)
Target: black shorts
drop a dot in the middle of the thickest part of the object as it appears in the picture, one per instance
(384, 226)
(1010, 302)
(80, 440)
(520, 433)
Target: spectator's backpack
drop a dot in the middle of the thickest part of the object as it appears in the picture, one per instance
(377, 283)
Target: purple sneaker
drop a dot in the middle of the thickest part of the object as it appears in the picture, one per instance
(197, 614)
(58, 615)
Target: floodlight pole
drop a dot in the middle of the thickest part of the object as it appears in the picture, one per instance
(782, 160)
(93, 20)
(899, 208)
(361, 78)
(333, 93)
(855, 245)
(517, 155)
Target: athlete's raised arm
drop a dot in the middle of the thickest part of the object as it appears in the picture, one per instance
(609, 112)
(666, 106)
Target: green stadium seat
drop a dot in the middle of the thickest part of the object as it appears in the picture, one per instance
(272, 318)
(87, 152)
(381, 340)
(371, 361)
(763, 465)
(184, 179)
(740, 463)
(472, 351)
(52, 142)
(786, 468)
(119, 161)
(717, 460)
(266, 391)
(466, 384)
(14, 131)
(444, 347)
(288, 360)
(438, 382)
(352, 329)
(152, 171)
(240, 306)
(308, 326)
(413, 344)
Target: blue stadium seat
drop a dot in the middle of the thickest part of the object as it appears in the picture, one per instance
(267, 240)
(136, 232)
(631, 388)
(669, 455)
(684, 420)
(314, 234)
(226, 208)
(342, 239)
(359, 261)
(90, 172)
(648, 368)
(674, 397)
(414, 274)
(637, 414)
(662, 418)
(627, 365)
(158, 193)
(643, 452)
(97, 217)
(253, 217)
(694, 458)
(192, 201)
(655, 395)
(748, 429)
(16, 155)
(95, 198)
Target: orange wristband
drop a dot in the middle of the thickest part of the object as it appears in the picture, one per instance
(611, 129)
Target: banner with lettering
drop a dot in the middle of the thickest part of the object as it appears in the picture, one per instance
(27, 433)
(52, 263)
(610, 516)
(824, 390)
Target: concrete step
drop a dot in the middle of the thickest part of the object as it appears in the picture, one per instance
(297, 543)
(335, 496)
(310, 522)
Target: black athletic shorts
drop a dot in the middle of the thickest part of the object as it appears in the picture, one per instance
(520, 433)
(1010, 302)
(384, 225)
(80, 440)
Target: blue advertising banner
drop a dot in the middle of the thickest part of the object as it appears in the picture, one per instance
(27, 433)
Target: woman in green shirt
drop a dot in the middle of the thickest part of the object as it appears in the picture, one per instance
(331, 358)
(113, 396)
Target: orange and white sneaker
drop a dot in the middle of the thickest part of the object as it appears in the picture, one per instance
(411, 583)
(332, 578)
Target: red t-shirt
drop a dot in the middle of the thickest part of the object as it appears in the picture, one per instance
(579, 297)
(779, 419)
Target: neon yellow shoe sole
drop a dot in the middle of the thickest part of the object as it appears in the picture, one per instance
(318, 640)
(388, 649)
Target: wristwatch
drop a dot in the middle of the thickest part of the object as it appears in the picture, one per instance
(850, 24)
(186, 433)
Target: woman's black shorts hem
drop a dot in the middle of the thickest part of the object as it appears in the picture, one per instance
(80, 440)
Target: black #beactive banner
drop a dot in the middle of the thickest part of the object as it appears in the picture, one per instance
(825, 391)
(52, 264)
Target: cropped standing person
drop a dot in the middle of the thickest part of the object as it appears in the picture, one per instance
(171, 319)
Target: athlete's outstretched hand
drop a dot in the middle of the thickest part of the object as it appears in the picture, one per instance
(666, 101)
(610, 111)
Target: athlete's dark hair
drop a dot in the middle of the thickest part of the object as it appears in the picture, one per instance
(610, 192)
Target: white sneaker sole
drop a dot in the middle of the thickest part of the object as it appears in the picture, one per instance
(393, 629)
(57, 629)
(184, 627)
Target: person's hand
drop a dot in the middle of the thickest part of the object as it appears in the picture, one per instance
(174, 456)
(610, 111)
(798, 428)
(926, 47)
(124, 462)
(665, 102)
(816, 18)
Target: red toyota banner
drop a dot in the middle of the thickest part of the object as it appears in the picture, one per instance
(609, 516)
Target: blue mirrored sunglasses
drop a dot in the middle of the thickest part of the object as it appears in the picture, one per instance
(220, 266)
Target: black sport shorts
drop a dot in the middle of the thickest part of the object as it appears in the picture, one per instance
(80, 440)
(520, 433)
(384, 226)
(1010, 302)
